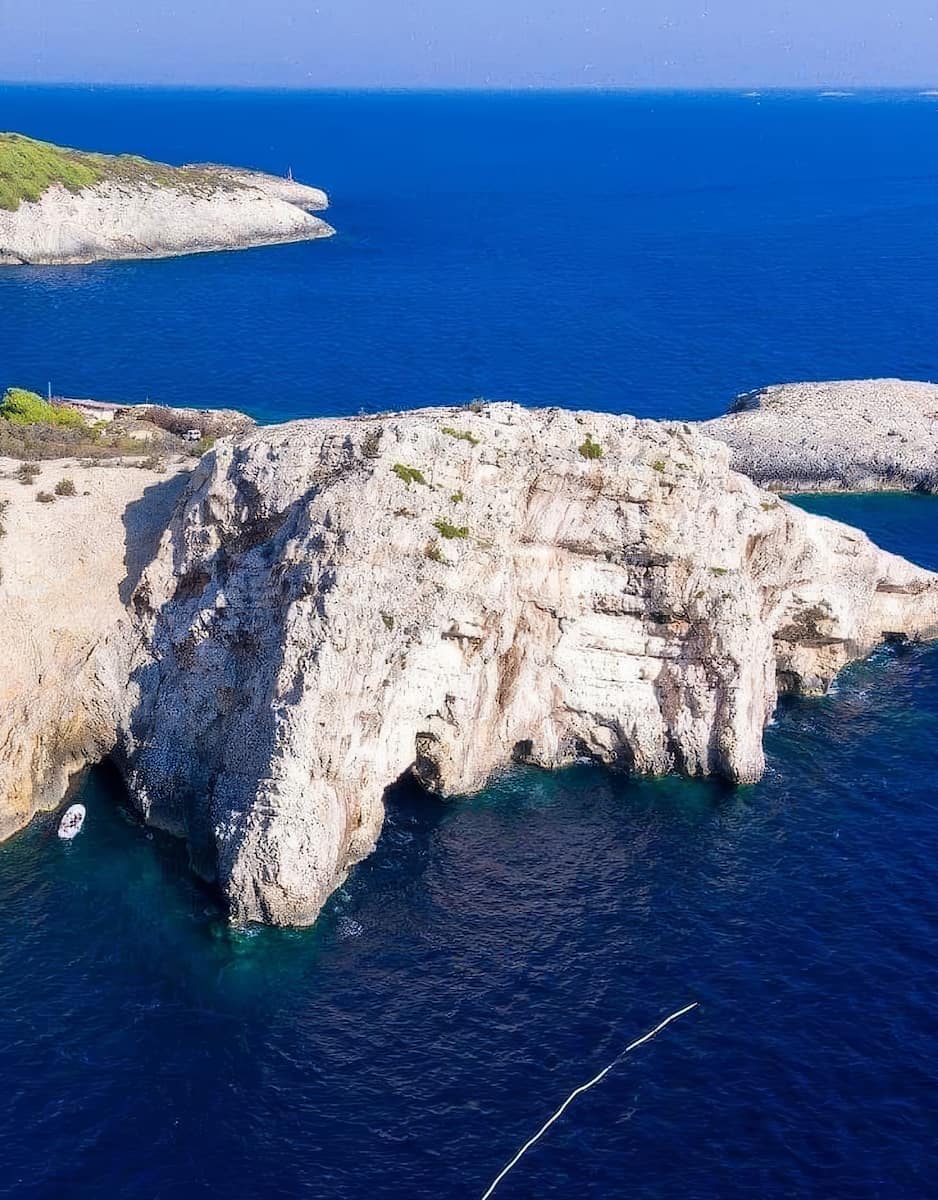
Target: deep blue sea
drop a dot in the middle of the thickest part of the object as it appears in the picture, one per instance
(651, 254)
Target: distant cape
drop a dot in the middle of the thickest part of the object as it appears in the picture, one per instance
(60, 206)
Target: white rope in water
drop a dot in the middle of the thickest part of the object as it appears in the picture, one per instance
(584, 1087)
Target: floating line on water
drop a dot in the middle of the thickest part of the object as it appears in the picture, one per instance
(584, 1087)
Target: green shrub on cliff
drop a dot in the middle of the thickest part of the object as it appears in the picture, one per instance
(591, 449)
(461, 435)
(21, 407)
(446, 529)
(28, 167)
(409, 475)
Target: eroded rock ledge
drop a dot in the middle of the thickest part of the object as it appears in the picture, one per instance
(338, 602)
(850, 436)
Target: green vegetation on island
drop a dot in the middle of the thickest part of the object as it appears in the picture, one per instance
(21, 407)
(32, 428)
(29, 167)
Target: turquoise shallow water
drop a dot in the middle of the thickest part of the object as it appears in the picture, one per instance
(492, 954)
(647, 255)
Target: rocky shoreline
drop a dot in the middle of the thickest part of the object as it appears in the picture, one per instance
(264, 646)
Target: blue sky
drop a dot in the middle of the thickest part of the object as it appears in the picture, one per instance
(473, 43)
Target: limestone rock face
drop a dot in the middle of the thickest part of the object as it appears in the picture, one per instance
(66, 640)
(226, 209)
(337, 602)
(857, 435)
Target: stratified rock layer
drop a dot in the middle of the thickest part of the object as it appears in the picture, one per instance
(337, 602)
(856, 435)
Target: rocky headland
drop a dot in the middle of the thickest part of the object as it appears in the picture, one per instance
(849, 436)
(64, 206)
(324, 606)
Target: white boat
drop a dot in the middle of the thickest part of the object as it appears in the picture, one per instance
(72, 821)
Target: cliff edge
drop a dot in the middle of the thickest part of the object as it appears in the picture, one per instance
(64, 206)
(339, 602)
(66, 566)
(335, 603)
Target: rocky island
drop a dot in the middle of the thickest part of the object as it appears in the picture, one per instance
(64, 206)
(847, 436)
(265, 645)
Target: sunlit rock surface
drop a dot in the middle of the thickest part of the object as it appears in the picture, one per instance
(857, 435)
(338, 602)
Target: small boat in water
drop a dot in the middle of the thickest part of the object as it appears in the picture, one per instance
(72, 821)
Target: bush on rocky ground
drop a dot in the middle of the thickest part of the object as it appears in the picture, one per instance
(31, 428)
(22, 407)
(26, 472)
(179, 421)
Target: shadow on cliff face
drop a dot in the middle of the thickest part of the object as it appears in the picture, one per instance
(145, 521)
(168, 862)
(194, 752)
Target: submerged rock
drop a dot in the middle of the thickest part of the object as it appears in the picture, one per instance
(338, 602)
(854, 436)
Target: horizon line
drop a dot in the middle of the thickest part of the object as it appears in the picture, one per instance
(366, 89)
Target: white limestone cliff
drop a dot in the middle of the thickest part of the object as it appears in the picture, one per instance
(338, 602)
(65, 569)
(181, 211)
